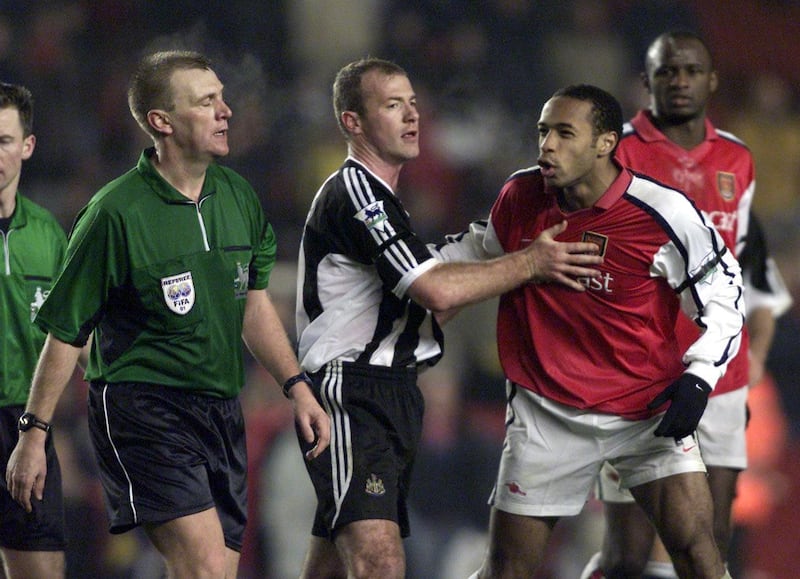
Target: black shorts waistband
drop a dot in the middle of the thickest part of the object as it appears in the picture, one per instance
(371, 371)
(149, 386)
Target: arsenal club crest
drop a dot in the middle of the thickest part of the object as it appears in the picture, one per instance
(726, 185)
(179, 292)
(601, 241)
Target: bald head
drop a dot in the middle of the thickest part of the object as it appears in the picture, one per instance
(680, 78)
(670, 42)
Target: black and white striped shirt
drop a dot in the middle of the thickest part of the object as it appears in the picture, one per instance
(358, 257)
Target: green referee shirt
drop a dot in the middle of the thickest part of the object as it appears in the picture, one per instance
(163, 280)
(32, 250)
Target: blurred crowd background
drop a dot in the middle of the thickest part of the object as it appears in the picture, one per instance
(482, 70)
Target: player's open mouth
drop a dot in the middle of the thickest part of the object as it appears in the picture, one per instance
(548, 169)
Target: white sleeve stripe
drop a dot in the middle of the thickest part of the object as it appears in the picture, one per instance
(399, 254)
(361, 196)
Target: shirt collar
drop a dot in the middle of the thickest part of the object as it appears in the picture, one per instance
(614, 191)
(160, 185)
(647, 130)
(617, 188)
(20, 216)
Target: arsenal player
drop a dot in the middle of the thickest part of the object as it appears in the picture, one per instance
(674, 142)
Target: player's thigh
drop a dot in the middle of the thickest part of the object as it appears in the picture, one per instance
(680, 506)
(370, 544)
(322, 560)
(722, 482)
(628, 536)
(34, 564)
(517, 543)
(193, 542)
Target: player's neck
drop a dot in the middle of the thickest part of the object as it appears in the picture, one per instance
(8, 201)
(186, 177)
(389, 172)
(590, 189)
(686, 135)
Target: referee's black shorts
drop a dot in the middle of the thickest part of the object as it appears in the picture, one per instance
(376, 424)
(166, 453)
(43, 528)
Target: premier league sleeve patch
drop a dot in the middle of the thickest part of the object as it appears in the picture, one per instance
(373, 215)
(179, 292)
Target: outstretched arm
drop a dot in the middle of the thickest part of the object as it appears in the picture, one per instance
(455, 284)
(555, 261)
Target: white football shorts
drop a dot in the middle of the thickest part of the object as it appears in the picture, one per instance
(552, 455)
(721, 433)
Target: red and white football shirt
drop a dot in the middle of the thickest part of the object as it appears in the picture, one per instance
(613, 348)
(719, 176)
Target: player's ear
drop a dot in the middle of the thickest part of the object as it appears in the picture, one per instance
(160, 121)
(606, 142)
(351, 122)
(28, 145)
(713, 81)
(645, 81)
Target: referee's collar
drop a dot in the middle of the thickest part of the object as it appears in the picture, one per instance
(161, 186)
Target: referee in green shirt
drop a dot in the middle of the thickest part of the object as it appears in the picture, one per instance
(33, 245)
(167, 266)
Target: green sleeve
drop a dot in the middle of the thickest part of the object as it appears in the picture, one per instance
(264, 257)
(92, 265)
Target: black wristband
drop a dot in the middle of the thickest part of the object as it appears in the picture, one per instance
(301, 377)
(29, 420)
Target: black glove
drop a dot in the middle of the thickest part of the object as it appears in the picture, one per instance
(689, 396)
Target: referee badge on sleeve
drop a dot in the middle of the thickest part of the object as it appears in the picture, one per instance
(179, 292)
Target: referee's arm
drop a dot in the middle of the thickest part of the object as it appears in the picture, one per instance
(266, 338)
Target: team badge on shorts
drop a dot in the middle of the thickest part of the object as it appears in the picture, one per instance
(514, 488)
(375, 486)
(179, 292)
(726, 185)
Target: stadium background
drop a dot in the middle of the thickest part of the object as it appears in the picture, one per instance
(482, 71)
